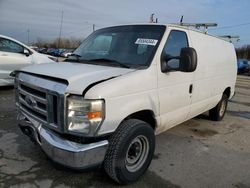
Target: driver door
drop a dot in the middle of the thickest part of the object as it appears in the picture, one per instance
(174, 86)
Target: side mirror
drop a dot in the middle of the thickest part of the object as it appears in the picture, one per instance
(26, 52)
(169, 63)
(188, 60)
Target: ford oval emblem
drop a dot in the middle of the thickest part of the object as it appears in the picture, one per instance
(30, 101)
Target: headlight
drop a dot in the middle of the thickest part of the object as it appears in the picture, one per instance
(84, 116)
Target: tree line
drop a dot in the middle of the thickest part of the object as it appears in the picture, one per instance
(243, 52)
(68, 43)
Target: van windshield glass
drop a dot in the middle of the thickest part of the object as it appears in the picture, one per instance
(124, 46)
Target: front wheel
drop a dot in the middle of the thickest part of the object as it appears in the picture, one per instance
(130, 152)
(217, 113)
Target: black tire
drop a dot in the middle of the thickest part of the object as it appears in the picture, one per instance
(121, 145)
(217, 113)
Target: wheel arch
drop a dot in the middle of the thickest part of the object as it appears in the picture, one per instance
(146, 115)
(227, 91)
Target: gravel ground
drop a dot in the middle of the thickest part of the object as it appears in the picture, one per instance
(197, 153)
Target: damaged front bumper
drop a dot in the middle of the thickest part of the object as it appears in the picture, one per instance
(60, 150)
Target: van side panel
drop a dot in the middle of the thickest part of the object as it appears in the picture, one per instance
(216, 71)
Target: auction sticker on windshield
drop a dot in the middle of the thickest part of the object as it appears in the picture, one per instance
(151, 42)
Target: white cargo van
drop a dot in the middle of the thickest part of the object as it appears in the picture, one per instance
(120, 88)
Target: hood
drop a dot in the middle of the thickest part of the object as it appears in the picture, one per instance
(79, 76)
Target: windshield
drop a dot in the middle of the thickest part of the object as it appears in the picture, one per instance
(125, 46)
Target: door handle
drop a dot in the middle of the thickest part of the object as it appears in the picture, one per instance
(191, 88)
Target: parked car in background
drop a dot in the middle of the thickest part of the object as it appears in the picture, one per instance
(67, 53)
(243, 66)
(50, 51)
(15, 55)
(55, 51)
(248, 69)
(34, 48)
(42, 50)
(58, 52)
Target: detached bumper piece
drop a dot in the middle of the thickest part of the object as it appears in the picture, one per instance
(60, 150)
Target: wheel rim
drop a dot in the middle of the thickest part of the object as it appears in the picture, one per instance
(137, 153)
(223, 108)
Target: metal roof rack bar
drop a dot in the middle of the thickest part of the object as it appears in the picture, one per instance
(198, 25)
(230, 37)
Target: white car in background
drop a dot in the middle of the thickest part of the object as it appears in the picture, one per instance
(15, 55)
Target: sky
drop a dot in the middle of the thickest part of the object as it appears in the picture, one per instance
(42, 18)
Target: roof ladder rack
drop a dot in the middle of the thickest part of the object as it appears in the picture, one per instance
(199, 25)
(230, 37)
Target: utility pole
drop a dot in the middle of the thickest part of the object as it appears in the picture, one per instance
(93, 27)
(60, 33)
(28, 42)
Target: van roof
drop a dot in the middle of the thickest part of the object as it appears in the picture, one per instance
(178, 26)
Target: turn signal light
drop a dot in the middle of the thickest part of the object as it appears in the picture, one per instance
(94, 115)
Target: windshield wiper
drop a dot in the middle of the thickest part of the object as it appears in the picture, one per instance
(109, 60)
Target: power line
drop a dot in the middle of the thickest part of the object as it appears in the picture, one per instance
(60, 33)
(28, 31)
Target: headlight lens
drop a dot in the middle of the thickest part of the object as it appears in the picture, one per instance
(84, 116)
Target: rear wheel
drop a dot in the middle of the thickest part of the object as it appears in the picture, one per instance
(130, 151)
(217, 113)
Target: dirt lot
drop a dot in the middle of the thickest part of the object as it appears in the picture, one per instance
(197, 153)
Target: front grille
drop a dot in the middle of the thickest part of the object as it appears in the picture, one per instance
(36, 99)
(33, 101)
